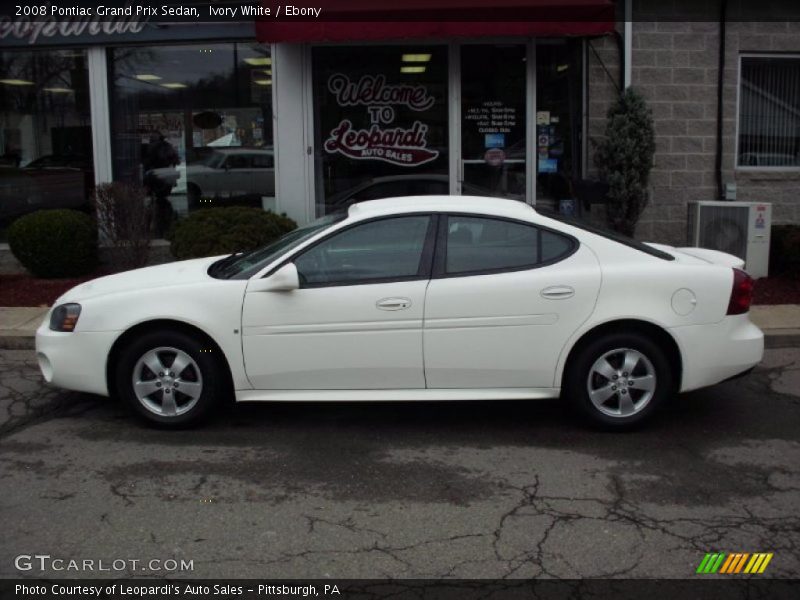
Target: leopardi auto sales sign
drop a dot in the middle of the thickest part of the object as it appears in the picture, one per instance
(402, 146)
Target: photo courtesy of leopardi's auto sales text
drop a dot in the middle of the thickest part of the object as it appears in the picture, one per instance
(400, 300)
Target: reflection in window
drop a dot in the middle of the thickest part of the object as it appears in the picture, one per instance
(193, 123)
(769, 112)
(45, 133)
(379, 250)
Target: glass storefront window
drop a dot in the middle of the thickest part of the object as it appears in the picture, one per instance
(493, 120)
(380, 123)
(193, 124)
(558, 122)
(45, 133)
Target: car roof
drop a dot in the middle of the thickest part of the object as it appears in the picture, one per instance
(470, 204)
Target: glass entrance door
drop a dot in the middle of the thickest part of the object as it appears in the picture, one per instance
(493, 120)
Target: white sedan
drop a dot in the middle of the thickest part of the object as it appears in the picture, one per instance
(422, 298)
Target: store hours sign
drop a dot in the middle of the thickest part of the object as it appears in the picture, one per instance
(383, 140)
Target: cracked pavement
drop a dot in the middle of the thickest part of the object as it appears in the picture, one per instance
(462, 490)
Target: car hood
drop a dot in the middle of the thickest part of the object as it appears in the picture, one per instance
(167, 275)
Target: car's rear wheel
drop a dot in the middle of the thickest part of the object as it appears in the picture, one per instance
(619, 380)
(170, 378)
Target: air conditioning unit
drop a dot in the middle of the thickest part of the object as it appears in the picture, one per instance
(738, 228)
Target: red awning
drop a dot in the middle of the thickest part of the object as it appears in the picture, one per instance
(353, 20)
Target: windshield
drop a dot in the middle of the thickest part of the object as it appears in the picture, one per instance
(249, 263)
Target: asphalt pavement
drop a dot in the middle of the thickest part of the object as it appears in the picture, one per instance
(463, 490)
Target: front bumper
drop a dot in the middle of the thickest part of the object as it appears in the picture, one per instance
(74, 361)
(713, 353)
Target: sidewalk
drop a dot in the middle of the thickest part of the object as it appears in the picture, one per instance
(780, 323)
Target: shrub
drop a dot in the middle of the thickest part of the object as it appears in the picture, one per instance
(784, 250)
(213, 231)
(624, 159)
(55, 243)
(124, 217)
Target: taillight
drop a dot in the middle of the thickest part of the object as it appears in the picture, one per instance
(741, 294)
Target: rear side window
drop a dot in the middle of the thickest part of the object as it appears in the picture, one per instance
(480, 245)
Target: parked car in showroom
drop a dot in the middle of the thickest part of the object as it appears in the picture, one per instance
(423, 298)
(50, 181)
(222, 173)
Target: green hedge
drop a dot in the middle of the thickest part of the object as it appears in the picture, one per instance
(55, 243)
(214, 231)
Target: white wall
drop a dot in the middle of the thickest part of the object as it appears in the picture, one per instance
(293, 138)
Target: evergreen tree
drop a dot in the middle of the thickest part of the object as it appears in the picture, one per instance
(624, 159)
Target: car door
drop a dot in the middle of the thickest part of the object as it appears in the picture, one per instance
(504, 298)
(356, 321)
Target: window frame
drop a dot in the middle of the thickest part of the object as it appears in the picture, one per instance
(756, 168)
(425, 263)
(440, 254)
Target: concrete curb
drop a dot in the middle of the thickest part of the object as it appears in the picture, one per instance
(779, 338)
(16, 341)
(782, 338)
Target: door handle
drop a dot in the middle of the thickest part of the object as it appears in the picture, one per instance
(558, 292)
(393, 303)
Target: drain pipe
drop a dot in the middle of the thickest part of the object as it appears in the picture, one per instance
(723, 10)
(627, 41)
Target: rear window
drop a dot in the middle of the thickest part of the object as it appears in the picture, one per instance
(485, 244)
(611, 235)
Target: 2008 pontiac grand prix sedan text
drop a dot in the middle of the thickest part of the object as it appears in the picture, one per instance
(424, 298)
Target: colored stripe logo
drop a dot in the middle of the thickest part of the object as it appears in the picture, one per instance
(734, 563)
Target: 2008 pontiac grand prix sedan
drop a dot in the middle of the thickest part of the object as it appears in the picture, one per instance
(423, 298)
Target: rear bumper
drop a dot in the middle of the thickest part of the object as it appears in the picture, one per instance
(713, 353)
(74, 361)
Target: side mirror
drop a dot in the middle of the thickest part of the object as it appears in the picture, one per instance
(284, 279)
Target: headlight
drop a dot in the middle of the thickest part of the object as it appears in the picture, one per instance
(64, 317)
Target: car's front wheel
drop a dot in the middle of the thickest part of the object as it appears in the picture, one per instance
(619, 380)
(170, 378)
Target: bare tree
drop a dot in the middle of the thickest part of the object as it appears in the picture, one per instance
(123, 218)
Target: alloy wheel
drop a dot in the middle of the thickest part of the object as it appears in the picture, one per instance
(167, 381)
(621, 382)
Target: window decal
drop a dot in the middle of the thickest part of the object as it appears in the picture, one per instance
(405, 147)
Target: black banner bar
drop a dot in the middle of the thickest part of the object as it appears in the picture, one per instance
(702, 588)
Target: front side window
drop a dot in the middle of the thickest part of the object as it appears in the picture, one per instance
(388, 249)
(769, 112)
(479, 245)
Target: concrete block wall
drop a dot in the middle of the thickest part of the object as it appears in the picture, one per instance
(675, 66)
(782, 188)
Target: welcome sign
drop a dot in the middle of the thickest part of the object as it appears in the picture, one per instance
(405, 147)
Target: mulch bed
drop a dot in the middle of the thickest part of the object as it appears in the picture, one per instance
(24, 290)
(784, 289)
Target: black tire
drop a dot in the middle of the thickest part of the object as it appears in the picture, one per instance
(205, 368)
(577, 380)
